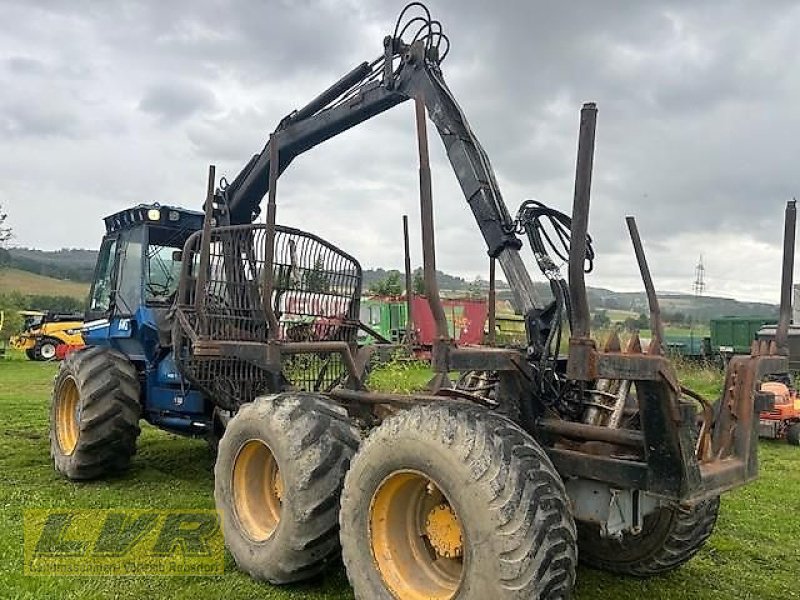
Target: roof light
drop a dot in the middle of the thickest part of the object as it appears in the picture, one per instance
(154, 214)
(174, 215)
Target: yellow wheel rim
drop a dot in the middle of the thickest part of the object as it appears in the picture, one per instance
(257, 490)
(67, 403)
(416, 538)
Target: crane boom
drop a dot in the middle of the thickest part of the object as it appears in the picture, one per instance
(369, 90)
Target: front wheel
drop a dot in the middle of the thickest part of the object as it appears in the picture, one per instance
(669, 538)
(454, 502)
(94, 417)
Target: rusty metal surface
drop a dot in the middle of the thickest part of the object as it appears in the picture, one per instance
(383, 397)
(426, 215)
(483, 359)
(790, 227)
(703, 447)
(205, 243)
(609, 396)
(679, 464)
(409, 336)
(656, 326)
(629, 474)
(580, 221)
(492, 303)
(580, 431)
(316, 290)
(582, 363)
(267, 275)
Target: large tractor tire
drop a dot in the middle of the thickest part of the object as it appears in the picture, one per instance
(669, 538)
(451, 501)
(45, 349)
(277, 480)
(94, 417)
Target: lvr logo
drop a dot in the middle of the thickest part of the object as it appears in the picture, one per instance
(115, 542)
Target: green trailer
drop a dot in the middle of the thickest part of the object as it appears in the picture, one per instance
(387, 316)
(735, 335)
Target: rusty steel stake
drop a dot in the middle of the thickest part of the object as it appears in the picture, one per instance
(426, 212)
(580, 221)
(409, 317)
(782, 331)
(269, 244)
(492, 304)
(205, 250)
(656, 325)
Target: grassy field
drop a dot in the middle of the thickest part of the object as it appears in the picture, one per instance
(617, 315)
(31, 283)
(753, 554)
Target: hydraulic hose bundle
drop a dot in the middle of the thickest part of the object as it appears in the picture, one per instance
(548, 231)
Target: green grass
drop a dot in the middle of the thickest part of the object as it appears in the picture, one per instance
(753, 554)
(31, 283)
(617, 315)
(698, 331)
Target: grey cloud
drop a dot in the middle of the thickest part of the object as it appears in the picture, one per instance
(696, 134)
(36, 119)
(175, 101)
(24, 65)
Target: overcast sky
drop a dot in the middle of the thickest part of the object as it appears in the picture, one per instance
(109, 104)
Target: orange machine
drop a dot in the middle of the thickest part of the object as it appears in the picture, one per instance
(783, 420)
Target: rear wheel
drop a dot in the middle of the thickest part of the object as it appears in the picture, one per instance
(793, 434)
(94, 417)
(452, 501)
(669, 538)
(279, 472)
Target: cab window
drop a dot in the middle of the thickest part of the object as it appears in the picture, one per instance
(163, 273)
(162, 264)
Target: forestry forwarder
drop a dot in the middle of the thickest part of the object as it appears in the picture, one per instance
(482, 488)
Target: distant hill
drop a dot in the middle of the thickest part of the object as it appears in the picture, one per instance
(73, 264)
(69, 271)
(32, 284)
(446, 281)
(700, 308)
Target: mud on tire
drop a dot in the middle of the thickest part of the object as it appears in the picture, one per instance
(669, 538)
(516, 537)
(277, 480)
(94, 416)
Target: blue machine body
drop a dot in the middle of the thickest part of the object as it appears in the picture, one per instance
(134, 284)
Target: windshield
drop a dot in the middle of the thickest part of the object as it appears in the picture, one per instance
(32, 321)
